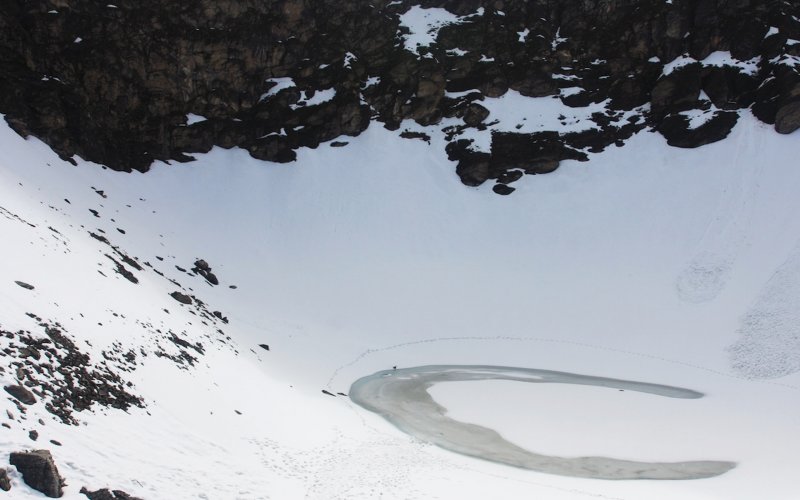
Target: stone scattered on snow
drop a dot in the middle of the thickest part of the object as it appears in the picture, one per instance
(21, 394)
(39, 471)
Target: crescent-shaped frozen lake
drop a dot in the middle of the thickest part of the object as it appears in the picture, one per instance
(403, 398)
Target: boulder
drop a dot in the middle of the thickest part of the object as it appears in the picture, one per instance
(21, 394)
(181, 297)
(24, 285)
(503, 189)
(5, 482)
(787, 118)
(475, 114)
(202, 268)
(537, 153)
(39, 471)
(675, 128)
(677, 91)
(106, 494)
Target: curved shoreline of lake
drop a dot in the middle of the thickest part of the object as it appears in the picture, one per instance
(401, 397)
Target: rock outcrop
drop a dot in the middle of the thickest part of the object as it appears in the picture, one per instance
(128, 83)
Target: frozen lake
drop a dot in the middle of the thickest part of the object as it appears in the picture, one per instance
(402, 397)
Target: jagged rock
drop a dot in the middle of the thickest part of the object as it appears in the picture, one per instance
(182, 298)
(264, 346)
(33, 435)
(787, 117)
(39, 471)
(106, 494)
(21, 394)
(5, 481)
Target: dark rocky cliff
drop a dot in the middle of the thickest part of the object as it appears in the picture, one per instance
(113, 81)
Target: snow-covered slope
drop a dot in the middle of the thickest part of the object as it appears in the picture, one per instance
(648, 263)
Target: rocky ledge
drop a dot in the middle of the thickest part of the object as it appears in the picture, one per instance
(134, 81)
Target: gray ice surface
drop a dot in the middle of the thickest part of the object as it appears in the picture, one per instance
(401, 397)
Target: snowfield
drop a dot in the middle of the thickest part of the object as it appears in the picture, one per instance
(647, 263)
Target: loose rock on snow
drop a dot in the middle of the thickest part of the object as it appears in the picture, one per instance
(106, 494)
(39, 471)
(202, 268)
(21, 394)
(5, 482)
(181, 297)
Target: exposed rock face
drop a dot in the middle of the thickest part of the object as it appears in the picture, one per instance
(147, 80)
(39, 471)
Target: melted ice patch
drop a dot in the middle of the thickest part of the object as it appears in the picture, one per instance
(403, 398)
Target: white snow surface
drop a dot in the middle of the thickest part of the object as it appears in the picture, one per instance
(424, 25)
(359, 258)
(319, 97)
(280, 83)
(718, 59)
(514, 112)
(192, 118)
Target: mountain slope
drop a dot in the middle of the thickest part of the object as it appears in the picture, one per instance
(360, 258)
